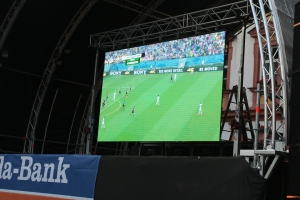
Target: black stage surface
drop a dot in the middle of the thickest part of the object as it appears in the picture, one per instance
(177, 178)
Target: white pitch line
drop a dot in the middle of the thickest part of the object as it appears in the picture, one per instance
(114, 102)
(115, 110)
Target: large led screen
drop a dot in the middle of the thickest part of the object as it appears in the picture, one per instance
(168, 91)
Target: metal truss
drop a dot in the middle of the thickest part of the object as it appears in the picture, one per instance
(31, 128)
(208, 20)
(9, 20)
(141, 9)
(274, 77)
(147, 10)
(84, 129)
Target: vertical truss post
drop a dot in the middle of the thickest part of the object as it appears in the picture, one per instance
(257, 125)
(85, 117)
(272, 108)
(239, 104)
(34, 116)
(46, 129)
(92, 109)
(73, 123)
(271, 92)
(282, 91)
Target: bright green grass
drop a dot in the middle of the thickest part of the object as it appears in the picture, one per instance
(175, 119)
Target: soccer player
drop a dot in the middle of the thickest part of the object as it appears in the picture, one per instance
(123, 105)
(157, 100)
(130, 89)
(103, 103)
(114, 96)
(171, 78)
(132, 111)
(106, 96)
(175, 76)
(126, 93)
(200, 109)
(103, 122)
(120, 91)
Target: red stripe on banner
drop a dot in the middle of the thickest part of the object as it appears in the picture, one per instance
(257, 109)
(16, 196)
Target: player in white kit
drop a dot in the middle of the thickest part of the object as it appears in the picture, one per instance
(103, 123)
(175, 76)
(200, 109)
(157, 100)
(114, 96)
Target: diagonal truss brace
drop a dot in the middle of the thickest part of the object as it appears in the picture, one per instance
(9, 20)
(149, 9)
(208, 20)
(139, 8)
(31, 128)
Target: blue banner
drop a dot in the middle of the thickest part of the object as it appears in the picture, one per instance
(57, 175)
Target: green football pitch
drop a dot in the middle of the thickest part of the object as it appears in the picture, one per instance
(176, 117)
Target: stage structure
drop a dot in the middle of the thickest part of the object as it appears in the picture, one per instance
(35, 111)
(9, 20)
(270, 18)
(275, 17)
(209, 20)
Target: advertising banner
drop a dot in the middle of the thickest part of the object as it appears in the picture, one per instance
(48, 176)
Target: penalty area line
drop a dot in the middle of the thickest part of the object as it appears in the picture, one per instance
(115, 110)
(123, 96)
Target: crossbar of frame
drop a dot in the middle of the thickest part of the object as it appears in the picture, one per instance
(208, 20)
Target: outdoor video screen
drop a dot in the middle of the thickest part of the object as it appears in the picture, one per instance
(168, 91)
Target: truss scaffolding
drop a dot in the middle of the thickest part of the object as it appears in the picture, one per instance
(263, 14)
(141, 9)
(34, 116)
(208, 20)
(9, 20)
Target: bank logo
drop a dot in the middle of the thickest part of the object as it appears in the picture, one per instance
(35, 172)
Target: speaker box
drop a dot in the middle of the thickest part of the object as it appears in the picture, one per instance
(135, 151)
(294, 171)
(294, 131)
